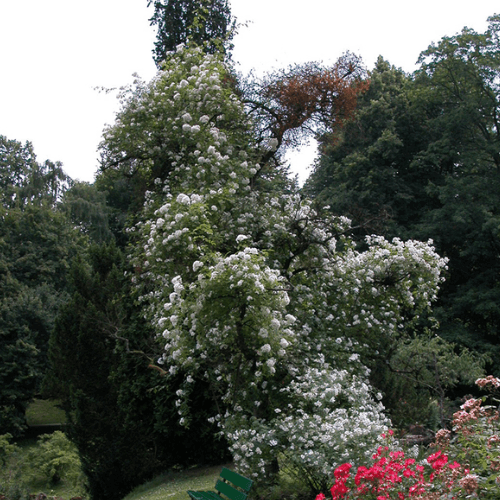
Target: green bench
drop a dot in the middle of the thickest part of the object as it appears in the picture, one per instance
(230, 484)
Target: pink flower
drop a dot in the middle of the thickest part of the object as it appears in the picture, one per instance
(408, 473)
(469, 483)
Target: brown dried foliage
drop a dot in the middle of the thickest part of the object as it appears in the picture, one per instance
(309, 98)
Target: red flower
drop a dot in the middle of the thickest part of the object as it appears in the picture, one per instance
(437, 460)
(342, 471)
(408, 473)
(339, 490)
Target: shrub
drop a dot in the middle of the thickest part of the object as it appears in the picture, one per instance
(476, 443)
(56, 458)
(6, 448)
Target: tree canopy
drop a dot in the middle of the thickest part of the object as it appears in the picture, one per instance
(305, 98)
(37, 243)
(420, 159)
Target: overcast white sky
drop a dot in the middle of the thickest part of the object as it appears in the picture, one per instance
(54, 52)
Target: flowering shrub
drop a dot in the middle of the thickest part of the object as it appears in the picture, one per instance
(259, 295)
(392, 475)
(325, 416)
(477, 440)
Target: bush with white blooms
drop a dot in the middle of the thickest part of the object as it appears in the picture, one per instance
(256, 292)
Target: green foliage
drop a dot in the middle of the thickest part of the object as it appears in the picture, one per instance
(433, 367)
(124, 197)
(6, 448)
(37, 243)
(83, 356)
(463, 151)
(87, 209)
(207, 23)
(252, 292)
(458, 80)
(23, 180)
(56, 458)
(18, 383)
(365, 171)
(30, 465)
(121, 417)
(420, 160)
(475, 441)
(17, 491)
(36, 246)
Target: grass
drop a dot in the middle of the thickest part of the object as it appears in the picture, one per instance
(174, 485)
(44, 411)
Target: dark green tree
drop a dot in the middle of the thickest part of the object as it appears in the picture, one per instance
(82, 353)
(19, 367)
(37, 243)
(365, 170)
(419, 160)
(86, 207)
(124, 189)
(23, 180)
(16, 161)
(121, 416)
(208, 23)
(458, 92)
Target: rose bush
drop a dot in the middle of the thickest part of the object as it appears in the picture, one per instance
(260, 294)
(392, 475)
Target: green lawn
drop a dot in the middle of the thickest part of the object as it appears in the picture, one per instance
(44, 411)
(173, 485)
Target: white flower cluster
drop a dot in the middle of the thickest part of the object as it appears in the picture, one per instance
(368, 291)
(315, 429)
(186, 119)
(204, 321)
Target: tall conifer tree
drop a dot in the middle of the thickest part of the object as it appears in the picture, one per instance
(205, 22)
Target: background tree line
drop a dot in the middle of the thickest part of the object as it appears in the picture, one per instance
(420, 160)
(409, 156)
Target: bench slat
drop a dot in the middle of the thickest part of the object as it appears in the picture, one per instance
(226, 485)
(203, 495)
(238, 480)
(230, 492)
